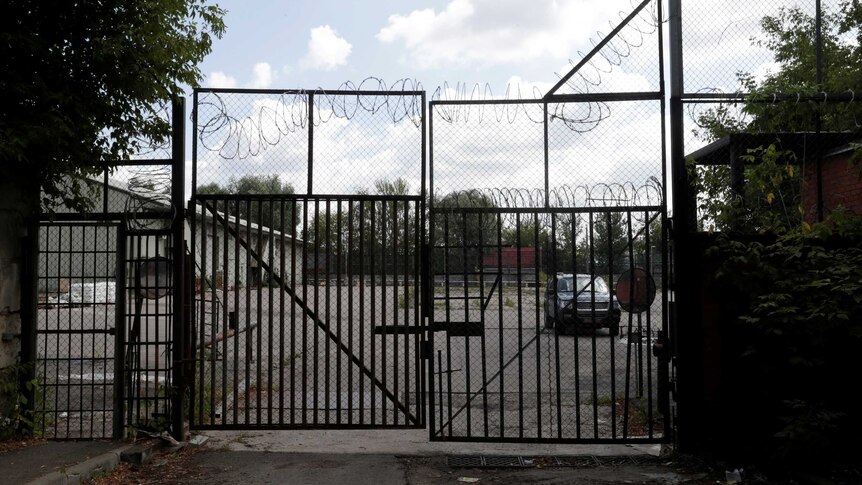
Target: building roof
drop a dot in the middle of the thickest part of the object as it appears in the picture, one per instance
(805, 145)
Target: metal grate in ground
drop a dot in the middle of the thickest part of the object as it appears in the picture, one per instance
(580, 461)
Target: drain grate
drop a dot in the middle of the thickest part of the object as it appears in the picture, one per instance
(580, 461)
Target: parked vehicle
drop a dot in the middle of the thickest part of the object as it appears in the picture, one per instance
(575, 303)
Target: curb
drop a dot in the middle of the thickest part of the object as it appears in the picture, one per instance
(75, 474)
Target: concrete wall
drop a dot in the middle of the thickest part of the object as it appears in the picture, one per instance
(12, 208)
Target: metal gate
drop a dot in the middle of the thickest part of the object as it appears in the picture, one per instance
(549, 277)
(105, 340)
(307, 307)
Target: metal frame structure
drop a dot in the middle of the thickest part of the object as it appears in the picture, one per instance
(330, 334)
(70, 264)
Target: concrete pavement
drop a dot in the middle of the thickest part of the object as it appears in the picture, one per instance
(357, 457)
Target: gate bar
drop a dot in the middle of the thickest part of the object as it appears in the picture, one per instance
(312, 315)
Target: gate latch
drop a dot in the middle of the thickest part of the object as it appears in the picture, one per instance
(425, 350)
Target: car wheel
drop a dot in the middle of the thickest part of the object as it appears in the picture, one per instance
(549, 322)
(614, 330)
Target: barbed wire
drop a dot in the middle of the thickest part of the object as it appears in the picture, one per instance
(578, 117)
(611, 195)
(149, 192)
(276, 115)
(618, 48)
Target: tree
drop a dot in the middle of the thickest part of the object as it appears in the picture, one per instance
(608, 244)
(771, 200)
(264, 212)
(458, 231)
(80, 83)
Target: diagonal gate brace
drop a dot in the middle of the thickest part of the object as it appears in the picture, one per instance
(313, 316)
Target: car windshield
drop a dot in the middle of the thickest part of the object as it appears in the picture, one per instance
(565, 284)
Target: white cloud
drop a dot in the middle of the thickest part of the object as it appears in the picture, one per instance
(489, 32)
(263, 76)
(326, 50)
(219, 79)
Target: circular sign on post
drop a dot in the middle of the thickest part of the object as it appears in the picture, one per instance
(154, 278)
(635, 290)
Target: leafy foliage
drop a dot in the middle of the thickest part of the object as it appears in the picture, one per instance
(82, 82)
(770, 201)
(794, 310)
(18, 415)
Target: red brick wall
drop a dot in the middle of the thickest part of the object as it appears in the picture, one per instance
(842, 185)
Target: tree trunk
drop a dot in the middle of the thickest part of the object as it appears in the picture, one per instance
(17, 203)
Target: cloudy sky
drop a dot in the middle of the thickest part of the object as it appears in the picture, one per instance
(322, 43)
(513, 45)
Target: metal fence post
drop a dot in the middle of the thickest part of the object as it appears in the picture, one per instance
(178, 267)
(120, 336)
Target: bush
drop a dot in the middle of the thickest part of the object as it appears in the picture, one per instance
(794, 315)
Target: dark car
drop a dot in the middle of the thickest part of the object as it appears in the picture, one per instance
(580, 302)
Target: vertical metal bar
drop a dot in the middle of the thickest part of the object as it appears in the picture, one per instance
(423, 254)
(384, 274)
(249, 356)
(105, 182)
(304, 387)
(268, 284)
(395, 359)
(647, 263)
(546, 156)
(328, 315)
(446, 265)
(350, 297)
(92, 349)
(194, 144)
(280, 321)
(818, 26)
(259, 320)
(216, 317)
(501, 323)
(57, 341)
(373, 248)
(663, 370)
(593, 336)
(309, 189)
(316, 354)
(520, 326)
(683, 225)
(575, 343)
(339, 251)
(178, 183)
(119, 430)
(407, 303)
(82, 337)
(69, 338)
(236, 307)
(225, 279)
(196, 404)
(467, 301)
(482, 306)
(361, 328)
(537, 325)
(626, 395)
(553, 271)
(428, 318)
(610, 228)
(293, 322)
